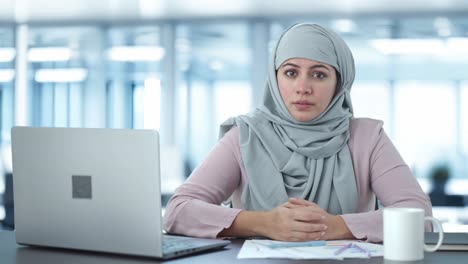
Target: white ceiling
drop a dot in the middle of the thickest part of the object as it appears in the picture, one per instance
(121, 10)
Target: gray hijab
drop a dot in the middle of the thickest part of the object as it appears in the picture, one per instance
(286, 158)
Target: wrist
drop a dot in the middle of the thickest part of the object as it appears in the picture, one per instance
(248, 224)
(341, 229)
(259, 223)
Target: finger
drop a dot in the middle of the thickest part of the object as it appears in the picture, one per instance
(301, 202)
(291, 205)
(307, 214)
(308, 227)
(296, 204)
(297, 236)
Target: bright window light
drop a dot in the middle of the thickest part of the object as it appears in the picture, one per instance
(61, 75)
(443, 26)
(49, 54)
(216, 65)
(7, 54)
(420, 142)
(372, 99)
(183, 45)
(152, 103)
(344, 25)
(2, 213)
(231, 99)
(409, 46)
(151, 8)
(135, 53)
(7, 75)
(421, 46)
(464, 119)
(457, 45)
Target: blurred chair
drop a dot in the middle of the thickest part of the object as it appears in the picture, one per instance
(9, 220)
(440, 176)
(6, 171)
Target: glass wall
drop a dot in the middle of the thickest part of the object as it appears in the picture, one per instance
(61, 64)
(95, 76)
(373, 100)
(462, 149)
(184, 78)
(214, 64)
(425, 118)
(7, 78)
(409, 74)
(133, 87)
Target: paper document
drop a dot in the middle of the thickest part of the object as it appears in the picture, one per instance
(334, 249)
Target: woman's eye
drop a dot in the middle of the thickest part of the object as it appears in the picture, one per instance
(318, 75)
(290, 73)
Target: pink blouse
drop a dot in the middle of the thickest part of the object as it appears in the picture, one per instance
(195, 209)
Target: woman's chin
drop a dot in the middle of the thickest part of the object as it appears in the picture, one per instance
(304, 117)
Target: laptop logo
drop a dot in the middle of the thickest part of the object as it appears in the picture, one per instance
(81, 187)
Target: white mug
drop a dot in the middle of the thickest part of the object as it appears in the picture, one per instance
(404, 234)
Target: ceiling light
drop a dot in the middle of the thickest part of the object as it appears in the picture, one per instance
(7, 54)
(49, 54)
(135, 53)
(61, 75)
(409, 46)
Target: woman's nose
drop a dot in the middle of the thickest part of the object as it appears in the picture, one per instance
(303, 86)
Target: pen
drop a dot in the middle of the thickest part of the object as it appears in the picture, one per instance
(352, 245)
(316, 243)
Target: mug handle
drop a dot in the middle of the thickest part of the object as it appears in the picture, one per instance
(441, 234)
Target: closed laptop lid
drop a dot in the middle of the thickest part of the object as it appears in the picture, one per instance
(451, 241)
(87, 188)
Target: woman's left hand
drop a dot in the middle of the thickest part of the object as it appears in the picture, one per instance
(336, 227)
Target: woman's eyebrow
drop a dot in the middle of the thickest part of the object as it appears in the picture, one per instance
(319, 66)
(311, 67)
(290, 64)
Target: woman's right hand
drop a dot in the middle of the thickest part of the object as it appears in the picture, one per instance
(292, 222)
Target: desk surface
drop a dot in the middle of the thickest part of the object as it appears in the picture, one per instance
(11, 253)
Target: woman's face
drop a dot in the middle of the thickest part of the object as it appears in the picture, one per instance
(306, 86)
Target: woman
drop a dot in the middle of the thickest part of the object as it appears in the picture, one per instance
(300, 167)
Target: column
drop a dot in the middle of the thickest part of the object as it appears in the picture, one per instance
(22, 90)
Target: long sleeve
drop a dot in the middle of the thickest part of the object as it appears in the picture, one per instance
(195, 209)
(380, 170)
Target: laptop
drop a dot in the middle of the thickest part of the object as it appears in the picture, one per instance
(93, 189)
(451, 241)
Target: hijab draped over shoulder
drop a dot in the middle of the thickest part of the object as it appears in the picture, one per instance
(286, 158)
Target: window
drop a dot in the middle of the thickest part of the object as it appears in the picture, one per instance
(425, 123)
(7, 78)
(464, 120)
(134, 58)
(238, 103)
(215, 84)
(372, 100)
(61, 71)
(146, 104)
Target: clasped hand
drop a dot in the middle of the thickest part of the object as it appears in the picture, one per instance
(302, 220)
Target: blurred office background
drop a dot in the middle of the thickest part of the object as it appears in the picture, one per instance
(182, 67)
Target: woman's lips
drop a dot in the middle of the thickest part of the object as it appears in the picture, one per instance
(303, 104)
